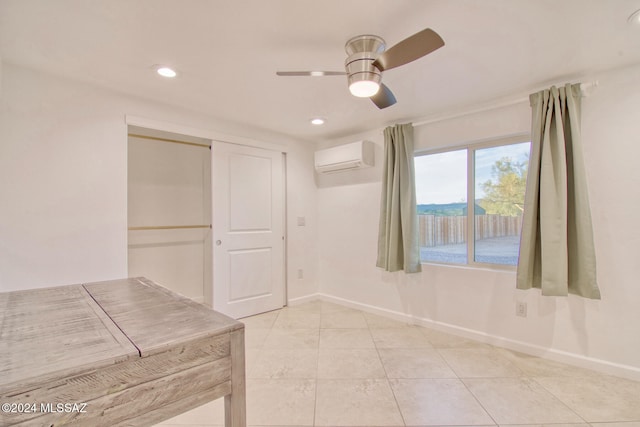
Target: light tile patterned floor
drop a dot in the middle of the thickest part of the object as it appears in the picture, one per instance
(321, 364)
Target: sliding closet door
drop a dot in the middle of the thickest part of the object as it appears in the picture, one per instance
(248, 230)
(169, 211)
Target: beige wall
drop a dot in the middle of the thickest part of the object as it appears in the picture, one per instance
(63, 181)
(481, 303)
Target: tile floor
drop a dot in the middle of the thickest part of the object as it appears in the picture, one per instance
(321, 364)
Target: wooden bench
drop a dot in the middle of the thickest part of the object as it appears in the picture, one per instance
(118, 353)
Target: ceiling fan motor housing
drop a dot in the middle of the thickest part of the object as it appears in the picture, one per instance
(362, 51)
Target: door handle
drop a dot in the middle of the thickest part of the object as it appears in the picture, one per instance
(218, 242)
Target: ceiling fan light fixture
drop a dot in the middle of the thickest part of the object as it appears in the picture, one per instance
(363, 78)
(364, 88)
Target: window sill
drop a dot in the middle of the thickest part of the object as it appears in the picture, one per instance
(475, 267)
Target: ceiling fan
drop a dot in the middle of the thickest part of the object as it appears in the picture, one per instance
(367, 59)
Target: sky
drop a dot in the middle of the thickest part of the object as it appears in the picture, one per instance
(442, 177)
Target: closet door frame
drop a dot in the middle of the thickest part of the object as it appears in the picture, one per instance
(164, 126)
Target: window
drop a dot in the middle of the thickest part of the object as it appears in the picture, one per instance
(470, 202)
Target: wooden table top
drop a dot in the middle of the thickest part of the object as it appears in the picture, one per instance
(56, 332)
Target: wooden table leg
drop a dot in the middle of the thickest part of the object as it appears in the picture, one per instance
(235, 412)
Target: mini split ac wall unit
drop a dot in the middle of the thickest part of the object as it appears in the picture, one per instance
(356, 155)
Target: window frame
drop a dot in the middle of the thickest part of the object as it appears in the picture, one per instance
(471, 148)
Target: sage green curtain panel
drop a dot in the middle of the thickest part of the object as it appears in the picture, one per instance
(557, 253)
(398, 246)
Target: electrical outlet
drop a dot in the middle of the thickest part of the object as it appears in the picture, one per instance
(521, 309)
(300, 273)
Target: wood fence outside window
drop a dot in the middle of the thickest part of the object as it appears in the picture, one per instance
(449, 230)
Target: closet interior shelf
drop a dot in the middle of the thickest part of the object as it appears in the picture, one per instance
(168, 227)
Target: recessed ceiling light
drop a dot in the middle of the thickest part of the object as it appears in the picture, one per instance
(166, 72)
(317, 121)
(634, 18)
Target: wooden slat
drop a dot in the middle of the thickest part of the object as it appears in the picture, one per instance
(235, 412)
(54, 332)
(93, 383)
(154, 318)
(149, 396)
(175, 408)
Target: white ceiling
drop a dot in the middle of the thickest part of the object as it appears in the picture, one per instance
(227, 52)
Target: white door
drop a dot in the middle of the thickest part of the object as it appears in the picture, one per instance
(248, 230)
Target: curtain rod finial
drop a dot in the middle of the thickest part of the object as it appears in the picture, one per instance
(588, 88)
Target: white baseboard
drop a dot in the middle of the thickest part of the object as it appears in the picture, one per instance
(303, 299)
(599, 365)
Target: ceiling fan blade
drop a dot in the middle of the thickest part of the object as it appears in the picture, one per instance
(384, 98)
(409, 49)
(310, 73)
